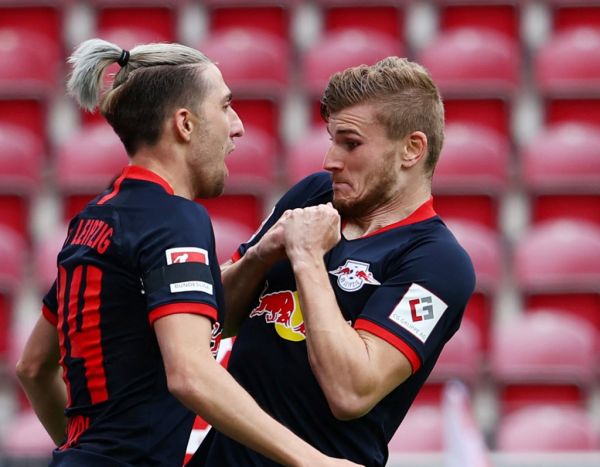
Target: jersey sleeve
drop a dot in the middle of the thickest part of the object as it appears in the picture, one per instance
(180, 272)
(421, 300)
(309, 191)
(50, 305)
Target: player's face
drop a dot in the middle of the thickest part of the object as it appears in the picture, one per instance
(218, 125)
(363, 161)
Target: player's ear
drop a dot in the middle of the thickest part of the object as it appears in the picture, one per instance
(183, 124)
(415, 148)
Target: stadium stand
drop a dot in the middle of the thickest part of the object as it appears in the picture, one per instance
(21, 157)
(567, 73)
(544, 357)
(484, 246)
(86, 163)
(560, 169)
(472, 174)
(548, 428)
(336, 51)
(502, 16)
(15, 255)
(557, 265)
(379, 16)
(542, 270)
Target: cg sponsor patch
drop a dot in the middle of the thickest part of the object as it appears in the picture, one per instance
(418, 312)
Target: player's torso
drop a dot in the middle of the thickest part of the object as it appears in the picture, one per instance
(109, 352)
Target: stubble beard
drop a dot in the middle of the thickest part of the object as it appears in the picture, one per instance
(383, 189)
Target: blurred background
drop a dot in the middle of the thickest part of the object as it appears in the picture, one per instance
(518, 182)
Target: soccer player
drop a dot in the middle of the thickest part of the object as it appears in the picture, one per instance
(345, 297)
(135, 315)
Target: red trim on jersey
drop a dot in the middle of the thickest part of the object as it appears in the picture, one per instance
(135, 172)
(115, 190)
(392, 339)
(61, 287)
(235, 256)
(423, 212)
(185, 307)
(52, 318)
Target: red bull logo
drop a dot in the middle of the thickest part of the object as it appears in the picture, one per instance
(353, 275)
(283, 310)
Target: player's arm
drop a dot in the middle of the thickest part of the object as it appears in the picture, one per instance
(39, 373)
(206, 388)
(243, 279)
(355, 369)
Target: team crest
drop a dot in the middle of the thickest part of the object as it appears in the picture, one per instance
(353, 275)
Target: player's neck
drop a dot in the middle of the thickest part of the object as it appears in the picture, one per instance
(395, 210)
(165, 166)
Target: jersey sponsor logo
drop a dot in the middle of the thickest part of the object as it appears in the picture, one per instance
(186, 254)
(418, 312)
(353, 275)
(283, 310)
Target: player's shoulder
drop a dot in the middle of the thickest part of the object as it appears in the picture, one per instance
(312, 189)
(442, 252)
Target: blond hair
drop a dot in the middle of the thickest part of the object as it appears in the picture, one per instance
(408, 98)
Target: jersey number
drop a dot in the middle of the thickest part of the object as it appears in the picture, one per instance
(79, 326)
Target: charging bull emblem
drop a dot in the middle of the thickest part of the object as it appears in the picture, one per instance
(353, 275)
(283, 310)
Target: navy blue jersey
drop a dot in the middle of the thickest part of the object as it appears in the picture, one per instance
(408, 283)
(135, 254)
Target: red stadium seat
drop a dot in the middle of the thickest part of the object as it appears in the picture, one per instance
(157, 18)
(306, 156)
(380, 16)
(20, 173)
(471, 175)
(544, 357)
(473, 61)
(547, 428)
(557, 265)
(255, 66)
(337, 51)
(559, 186)
(228, 236)
(30, 62)
(501, 16)
(567, 70)
(420, 431)
(568, 14)
(40, 17)
(251, 61)
(86, 164)
(484, 247)
(268, 16)
(253, 163)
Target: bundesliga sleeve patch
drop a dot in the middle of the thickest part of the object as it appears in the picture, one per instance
(418, 312)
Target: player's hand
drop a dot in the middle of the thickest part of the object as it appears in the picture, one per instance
(270, 248)
(311, 231)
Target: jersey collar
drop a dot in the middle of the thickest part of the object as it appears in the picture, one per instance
(136, 172)
(423, 212)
